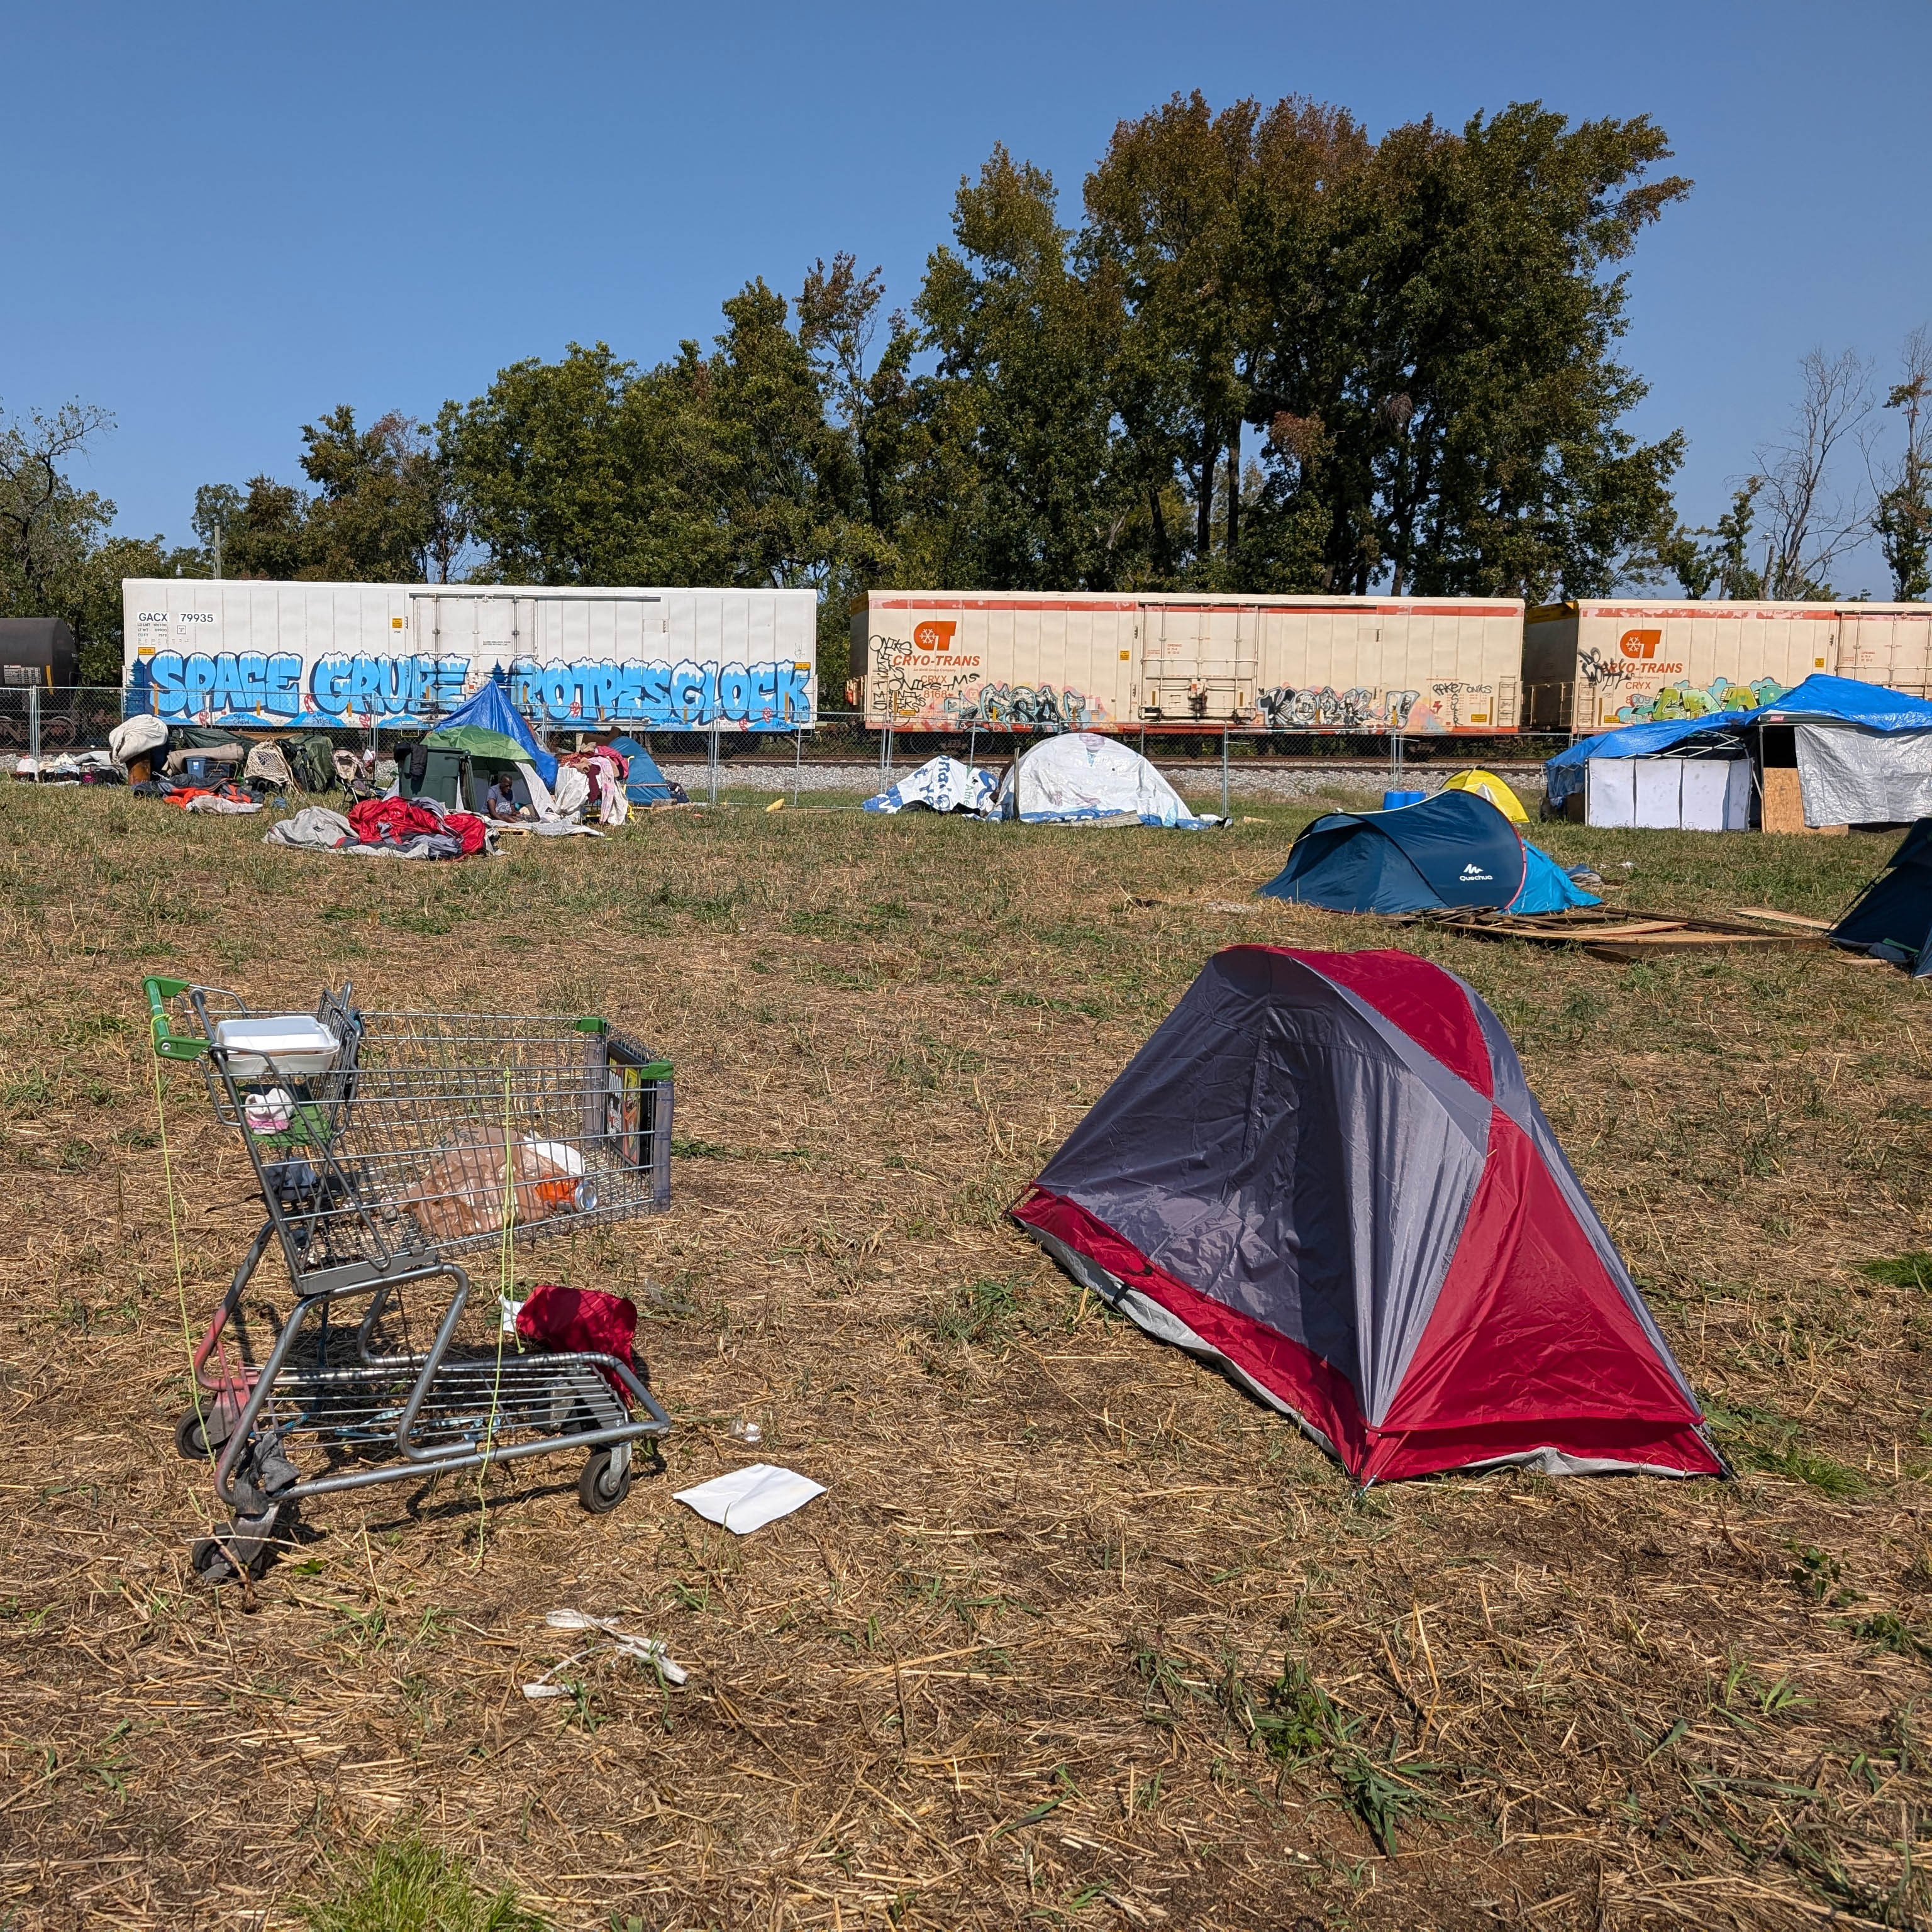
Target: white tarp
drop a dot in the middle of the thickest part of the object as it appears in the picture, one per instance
(1848, 776)
(1083, 778)
(941, 785)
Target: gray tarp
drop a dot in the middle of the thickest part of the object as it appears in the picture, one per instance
(1854, 777)
(313, 829)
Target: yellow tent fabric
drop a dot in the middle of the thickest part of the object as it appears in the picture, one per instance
(1486, 784)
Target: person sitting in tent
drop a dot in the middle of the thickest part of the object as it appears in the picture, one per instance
(501, 803)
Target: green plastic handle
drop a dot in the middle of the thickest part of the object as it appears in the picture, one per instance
(167, 1043)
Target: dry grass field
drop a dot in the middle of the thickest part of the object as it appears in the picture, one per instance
(1079, 1636)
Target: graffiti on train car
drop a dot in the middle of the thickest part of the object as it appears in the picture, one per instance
(404, 692)
(1323, 708)
(929, 686)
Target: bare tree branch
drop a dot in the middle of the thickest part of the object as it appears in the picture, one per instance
(1809, 525)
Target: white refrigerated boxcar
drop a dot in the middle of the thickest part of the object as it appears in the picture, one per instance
(269, 655)
(1594, 664)
(941, 660)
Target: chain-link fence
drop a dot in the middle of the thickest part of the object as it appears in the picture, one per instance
(43, 723)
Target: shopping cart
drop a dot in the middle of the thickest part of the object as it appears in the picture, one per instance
(385, 1146)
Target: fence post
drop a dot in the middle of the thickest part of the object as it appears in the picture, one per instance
(33, 729)
(711, 772)
(797, 764)
(1224, 771)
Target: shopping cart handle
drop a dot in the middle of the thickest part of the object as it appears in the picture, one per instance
(168, 1043)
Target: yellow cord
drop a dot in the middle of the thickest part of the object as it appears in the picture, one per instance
(505, 1281)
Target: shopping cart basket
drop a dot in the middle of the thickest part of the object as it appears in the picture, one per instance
(385, 1146)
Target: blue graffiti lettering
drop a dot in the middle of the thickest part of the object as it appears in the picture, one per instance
(687, 695)
(794, 683)
(165, 668)
(409, 690)
(328, 685)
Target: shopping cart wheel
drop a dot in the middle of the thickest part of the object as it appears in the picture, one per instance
(213, 1561)
(602, 1488)
(192, 1439)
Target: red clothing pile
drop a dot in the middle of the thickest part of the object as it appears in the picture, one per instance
(394, 821)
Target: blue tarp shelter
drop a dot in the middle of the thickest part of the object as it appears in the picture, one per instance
(1819, 699)
(646, 784)
(1564, 773)
(1455, 849)
(491, 710)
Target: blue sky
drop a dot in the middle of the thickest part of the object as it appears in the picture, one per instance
(220, 221)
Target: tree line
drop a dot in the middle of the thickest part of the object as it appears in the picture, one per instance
(1270, 354)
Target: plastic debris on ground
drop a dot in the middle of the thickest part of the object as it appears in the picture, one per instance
(748, 1498)
(649, 1651)
(940, 784)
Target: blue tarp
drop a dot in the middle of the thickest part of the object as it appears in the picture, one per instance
(1846, 701)
(1843, 701)
(1564, 774)
(492, 710)
(1546, 886)
(644, 784)
(1455, 849)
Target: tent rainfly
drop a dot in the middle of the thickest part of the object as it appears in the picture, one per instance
(1081, 778)
(1325, 1174)
(490, 710)
(1892, 918)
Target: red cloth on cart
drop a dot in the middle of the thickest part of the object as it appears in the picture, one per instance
(581, 1321)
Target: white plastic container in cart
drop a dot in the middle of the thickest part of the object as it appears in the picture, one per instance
(297, 1044)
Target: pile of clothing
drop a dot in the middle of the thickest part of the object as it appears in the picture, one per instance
(393, 828)
(605, 772)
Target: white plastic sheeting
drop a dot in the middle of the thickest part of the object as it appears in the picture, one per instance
(941, 785)
(1851, 777)
(1082, 777)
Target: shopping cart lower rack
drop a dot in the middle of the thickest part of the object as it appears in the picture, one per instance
(386, 1146)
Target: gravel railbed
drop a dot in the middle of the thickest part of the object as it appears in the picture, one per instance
(1197, 784)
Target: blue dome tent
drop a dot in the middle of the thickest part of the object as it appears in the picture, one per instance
(1456, 850)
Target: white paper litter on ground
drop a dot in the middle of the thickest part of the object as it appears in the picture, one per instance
(645, 1650)
(748, 1498)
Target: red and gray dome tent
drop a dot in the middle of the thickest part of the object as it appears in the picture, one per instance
(1325, 1174)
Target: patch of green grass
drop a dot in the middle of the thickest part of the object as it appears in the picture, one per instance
(982, 1313)
(1912, 1271)
(1887, 1630)
(1759, 1438)
(412, 1887)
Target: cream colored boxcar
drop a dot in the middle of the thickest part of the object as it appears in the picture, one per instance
(1594, 665)
(934, 660)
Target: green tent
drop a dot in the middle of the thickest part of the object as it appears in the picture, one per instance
(486, 747)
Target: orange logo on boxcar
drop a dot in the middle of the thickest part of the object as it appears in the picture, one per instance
(1639, 644)
(934, 635)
